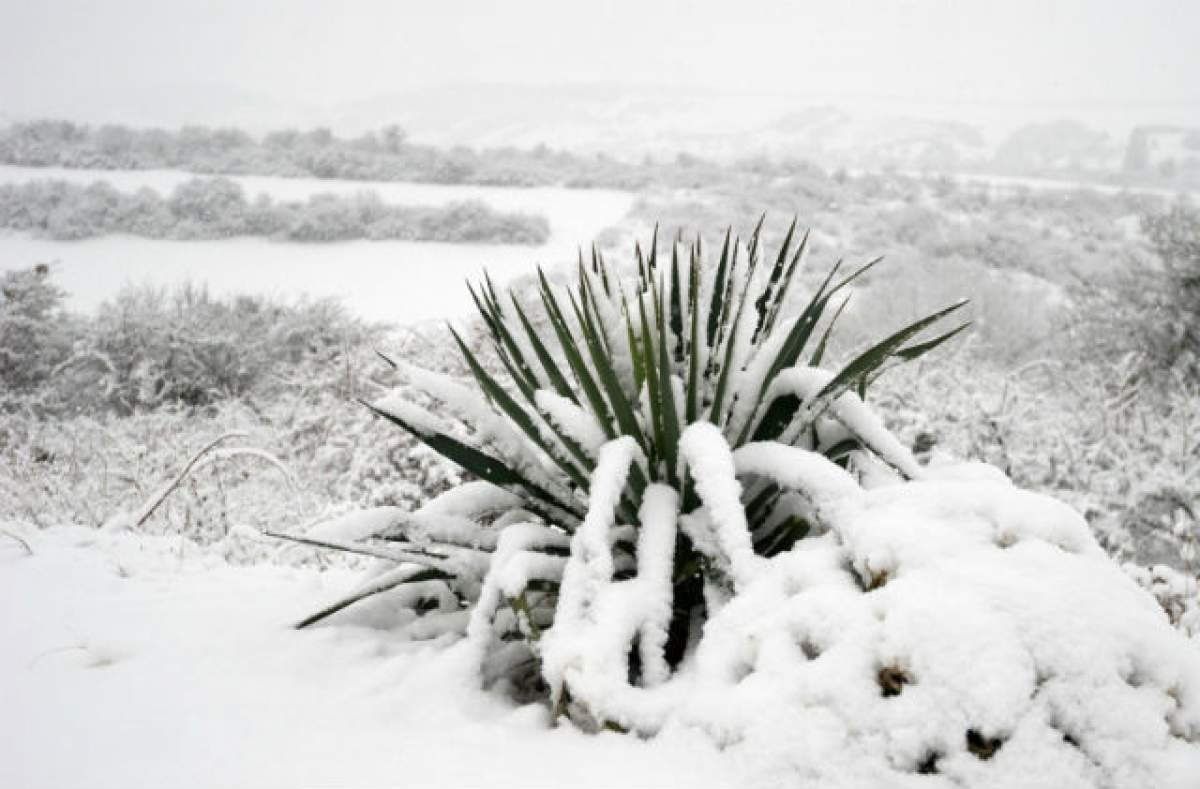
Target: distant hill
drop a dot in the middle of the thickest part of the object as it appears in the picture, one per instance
(631, 122)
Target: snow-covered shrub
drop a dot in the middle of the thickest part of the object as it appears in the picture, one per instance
(681, 520)
(34, 331)
(622, 368)
(210, 208)
(1122, 450)
(151, 348)
(1175, 334)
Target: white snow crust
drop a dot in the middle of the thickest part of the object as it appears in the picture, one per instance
(129, 661)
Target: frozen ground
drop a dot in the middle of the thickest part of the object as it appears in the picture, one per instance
(130, 661)
(564, 202)
(398, 281)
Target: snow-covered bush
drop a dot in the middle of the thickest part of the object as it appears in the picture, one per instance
(1122, 450)
(680, 519)
(34, 331)
(1174, 337)
(60, 464)
(617, 370)
(211, 208)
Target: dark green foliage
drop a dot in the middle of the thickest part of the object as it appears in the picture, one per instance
(657, 359)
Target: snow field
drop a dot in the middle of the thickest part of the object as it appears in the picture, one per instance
(133, 661)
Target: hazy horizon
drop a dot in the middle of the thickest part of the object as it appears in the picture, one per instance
(262, 64)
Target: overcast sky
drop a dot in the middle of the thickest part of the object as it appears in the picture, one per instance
(67, 58)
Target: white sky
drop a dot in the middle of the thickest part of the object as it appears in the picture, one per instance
(57, 57)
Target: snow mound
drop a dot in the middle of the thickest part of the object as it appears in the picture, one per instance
(944, 632)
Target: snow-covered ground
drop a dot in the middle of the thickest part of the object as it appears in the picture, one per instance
(567, 202)
(399, 281)
(133, 661)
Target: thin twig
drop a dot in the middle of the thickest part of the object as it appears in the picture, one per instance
(149, 508)
(21, 540)
(414, 554)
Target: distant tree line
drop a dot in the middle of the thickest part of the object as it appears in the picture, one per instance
(386, 155)
(212, 208)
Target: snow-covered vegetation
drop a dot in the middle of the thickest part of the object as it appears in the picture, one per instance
(218, 208)
(679, 519)
(882, 607)
(100, 411)
(386, 155)
(677, 350)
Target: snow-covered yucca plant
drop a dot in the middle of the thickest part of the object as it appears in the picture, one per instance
(680, 519)
(585, 456)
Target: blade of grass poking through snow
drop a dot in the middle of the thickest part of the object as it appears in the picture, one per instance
(819, 353)
(730, 289)
(626, 419)
(482, 465)
(911, 353)
(557, 380)
(676, 304)
(376, 586)
(504, 401)
(390, 361)
(656, 299)
(693, 350)
(669, 413)
(600, 269)
(718, 294)
(487, 318)
(608, 378)
(491, 292)
(507, 349)
(544, 357)
(635, 354)
(920, 349)
(524, 388)
(382, 584)
(575, 359)
(652, 387)
(652, 259)
(863, 269)
(755, 237)
(873, 357)
(413, 554)
(763, 304)
(526, 382)
(730, 346)
(587, 297)
(785, 288)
